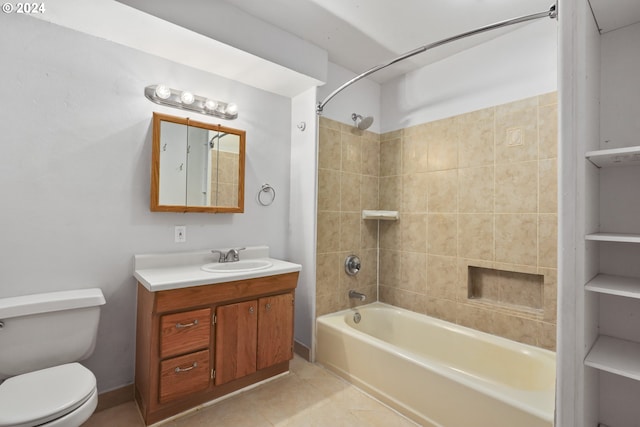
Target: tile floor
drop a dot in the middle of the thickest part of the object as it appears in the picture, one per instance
(308, 396)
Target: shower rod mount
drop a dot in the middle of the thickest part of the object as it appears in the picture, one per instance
(551, 13)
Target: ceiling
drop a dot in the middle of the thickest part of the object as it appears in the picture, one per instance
(360, 34)
(356, 34)
(613, 14)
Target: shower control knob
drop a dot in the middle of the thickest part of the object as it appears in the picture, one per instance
(352, 265)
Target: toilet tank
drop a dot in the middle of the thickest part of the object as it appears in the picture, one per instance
(43, 330)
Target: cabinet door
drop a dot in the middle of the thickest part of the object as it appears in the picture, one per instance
(275, 330)
(236, 329)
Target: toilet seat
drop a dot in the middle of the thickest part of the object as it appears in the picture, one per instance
(42, 396)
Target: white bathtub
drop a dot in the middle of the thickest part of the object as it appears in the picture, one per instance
(438, 373)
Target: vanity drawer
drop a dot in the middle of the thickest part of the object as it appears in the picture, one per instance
(184, 332)
(184, 375)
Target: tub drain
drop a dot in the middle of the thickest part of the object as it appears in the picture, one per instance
(357, 317)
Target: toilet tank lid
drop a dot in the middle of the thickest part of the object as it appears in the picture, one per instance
(26, 305)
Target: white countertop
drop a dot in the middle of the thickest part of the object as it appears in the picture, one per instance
(160, 272)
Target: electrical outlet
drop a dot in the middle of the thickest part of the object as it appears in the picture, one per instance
(181, 233)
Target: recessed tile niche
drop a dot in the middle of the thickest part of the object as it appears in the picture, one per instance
(507, 288)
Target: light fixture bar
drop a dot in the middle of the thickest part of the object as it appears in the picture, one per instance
(163, 95)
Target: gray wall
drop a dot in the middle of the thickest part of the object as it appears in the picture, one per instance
(75, 171)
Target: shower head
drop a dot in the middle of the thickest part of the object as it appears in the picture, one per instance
(360, 122)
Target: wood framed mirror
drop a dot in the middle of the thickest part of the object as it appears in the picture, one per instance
(196, 166)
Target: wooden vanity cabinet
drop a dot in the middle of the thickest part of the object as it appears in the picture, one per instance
(183, 375)
(253, 335)
(236, 341)
(185, 331)
(196, 344)
(275, 330)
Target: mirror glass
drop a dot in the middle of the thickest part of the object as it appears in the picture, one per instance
(196, 166)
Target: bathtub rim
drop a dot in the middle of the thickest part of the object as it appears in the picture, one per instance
(451, 373)
(444, 323)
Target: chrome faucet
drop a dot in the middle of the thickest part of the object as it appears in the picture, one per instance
(232, 255)
(357, 295)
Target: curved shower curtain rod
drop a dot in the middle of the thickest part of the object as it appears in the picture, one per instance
(551, 13)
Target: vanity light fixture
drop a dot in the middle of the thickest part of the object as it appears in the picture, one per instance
(162, 92)
(210, 105)
(164, 95)
(232, 109)
(187, 98)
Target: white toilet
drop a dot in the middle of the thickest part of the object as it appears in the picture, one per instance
(42, 337)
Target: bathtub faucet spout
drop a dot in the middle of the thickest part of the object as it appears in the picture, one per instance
(357, 295)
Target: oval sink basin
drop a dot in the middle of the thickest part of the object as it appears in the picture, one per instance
(237, 266)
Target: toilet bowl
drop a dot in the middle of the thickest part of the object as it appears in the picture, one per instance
(59, 396)
(41, 339)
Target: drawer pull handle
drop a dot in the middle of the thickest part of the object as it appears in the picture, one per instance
(251, 310)
(179, 369)
(186, 325)
(268, 307)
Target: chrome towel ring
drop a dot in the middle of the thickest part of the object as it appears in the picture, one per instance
(269, 194)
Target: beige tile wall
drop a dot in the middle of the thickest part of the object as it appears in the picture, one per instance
(226, 178)
(347, 183)
(479, 189)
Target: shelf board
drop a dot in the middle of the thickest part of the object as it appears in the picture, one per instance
(377, 214)
(615, 355)
(627, 156)
(614, 237)
(615, 285)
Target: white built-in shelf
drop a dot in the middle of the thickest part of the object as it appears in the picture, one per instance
(615, 285)
(614, 237)
(627, 156)
(384, 215)
(615, 355)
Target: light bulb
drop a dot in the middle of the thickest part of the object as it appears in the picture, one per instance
(210, 104)
(231, 109)
(163, 92)
(187, 98)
